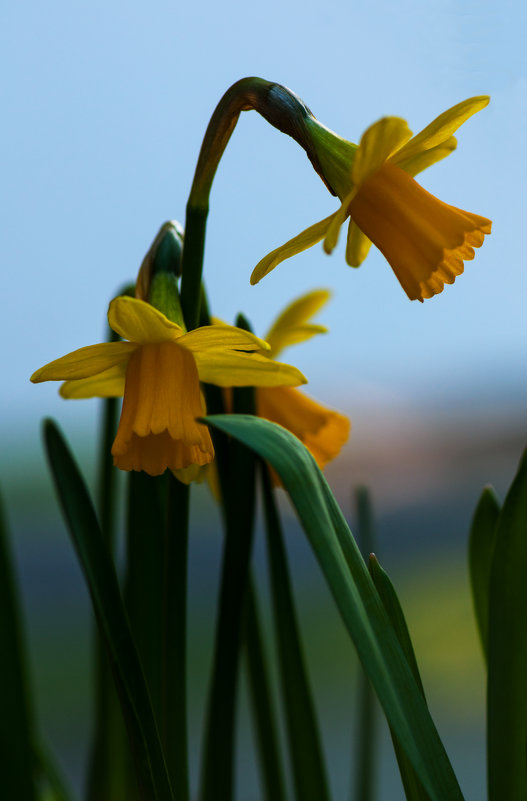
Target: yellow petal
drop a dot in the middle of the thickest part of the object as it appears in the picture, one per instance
(236, 369)
(322, 430)
(442, 127)
(221, 336)
(138, 321)
(337, 220)
(292, 327)
(85, 362)
(195, 473)
(414, 164)
(358, 245)
(303, 241)
(109, 384)
(377, 144)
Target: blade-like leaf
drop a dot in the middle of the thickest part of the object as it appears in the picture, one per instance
(17, 778)
(480, 552)
(51, 781)
(413, 788)
(507, 649)
(307, 759)
(260, 688)
(109, 773)
(356, 598)
(103, 585)
(367, 718)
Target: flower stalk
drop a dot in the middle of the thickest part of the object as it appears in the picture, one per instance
(284, 111)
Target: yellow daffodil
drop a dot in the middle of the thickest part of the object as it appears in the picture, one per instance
(158, 370)
(323, 431)
(425, 240)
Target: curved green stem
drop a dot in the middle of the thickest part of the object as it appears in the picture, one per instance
(282, 109)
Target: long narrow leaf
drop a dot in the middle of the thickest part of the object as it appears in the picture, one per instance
(480, 551)
(50, 776)
(17, 776)
(307, 759)
(507, 649)
(413, 788)
(364, 774)
(109, 772)
(356, 597)
(103, 585)
(262, 702)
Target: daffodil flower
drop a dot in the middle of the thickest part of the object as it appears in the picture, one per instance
(425, 240)
(158, 370)
(323, 431)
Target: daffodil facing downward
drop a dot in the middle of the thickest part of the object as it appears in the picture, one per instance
(424, 240)
(158, 370)
(323, 431)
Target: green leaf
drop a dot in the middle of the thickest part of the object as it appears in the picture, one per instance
(109, 768)
(17, 779)
(507, 648)
(309, 771)
(413, 788)
(367, 719)
(480, 551)
(358, 601)
(99, 571)
(51, 781)
(260, 687)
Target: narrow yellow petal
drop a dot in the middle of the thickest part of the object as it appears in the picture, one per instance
(377, 144)
(85, 362)
(292, 327)
(414, 164)
(294, 336)
(303, 241)
(138, 321)
(238, 369)
(358, 245)
(109, 384)
(442, 127)
(221, 336)
(337, 220)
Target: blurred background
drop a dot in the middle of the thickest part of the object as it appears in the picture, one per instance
(105, 105)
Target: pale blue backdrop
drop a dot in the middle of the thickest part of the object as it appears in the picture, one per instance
(104, 107)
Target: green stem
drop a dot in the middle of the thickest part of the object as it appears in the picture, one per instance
(174, 678)
(282, 109)
(238, 492)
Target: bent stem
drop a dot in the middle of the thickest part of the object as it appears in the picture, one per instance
(282, 109)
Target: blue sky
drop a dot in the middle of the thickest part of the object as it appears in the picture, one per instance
(105, 105)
